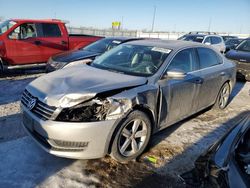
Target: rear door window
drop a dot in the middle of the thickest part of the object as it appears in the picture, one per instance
(184, 60)
(207, 40)
(208, 58)
(49, 30)
(215, 40)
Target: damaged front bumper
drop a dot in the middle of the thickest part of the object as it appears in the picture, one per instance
(78, 140)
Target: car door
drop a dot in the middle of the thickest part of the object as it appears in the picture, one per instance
(51, 39)
(21, 45)
(177, 95)
(211, 73)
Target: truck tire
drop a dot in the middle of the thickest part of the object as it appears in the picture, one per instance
(1, 66)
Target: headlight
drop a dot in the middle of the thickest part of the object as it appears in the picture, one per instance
(56, 64)
(94, 110)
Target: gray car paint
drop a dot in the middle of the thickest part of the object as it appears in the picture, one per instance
(166, 101)
(70, 86)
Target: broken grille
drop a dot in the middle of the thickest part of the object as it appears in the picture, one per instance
(40, 109)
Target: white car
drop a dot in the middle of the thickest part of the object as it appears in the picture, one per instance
(214, 40)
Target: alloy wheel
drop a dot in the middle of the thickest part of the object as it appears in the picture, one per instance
(224, 96)
(132, 137)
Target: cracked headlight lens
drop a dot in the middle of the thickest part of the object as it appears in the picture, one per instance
(94, 110)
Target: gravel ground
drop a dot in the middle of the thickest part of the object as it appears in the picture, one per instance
(24, 164)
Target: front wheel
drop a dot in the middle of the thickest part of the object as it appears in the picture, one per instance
(223, 97)
(131, 137)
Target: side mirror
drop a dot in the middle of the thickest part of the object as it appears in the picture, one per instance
(207, 43)
(175, 74)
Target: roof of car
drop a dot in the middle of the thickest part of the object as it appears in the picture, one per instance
(169, 44)
(38, 20)
(123, 38)
(203, 35)
(198, 35)
(229, 36)
(234, 39)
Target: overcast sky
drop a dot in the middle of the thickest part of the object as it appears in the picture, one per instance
(179, 15)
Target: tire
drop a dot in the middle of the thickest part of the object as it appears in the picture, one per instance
(131, 137)
(1, 67)
(222, 97)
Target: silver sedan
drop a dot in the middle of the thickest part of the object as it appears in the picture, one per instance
(114, 104)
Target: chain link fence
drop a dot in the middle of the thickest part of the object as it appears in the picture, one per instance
(134, 33)
(102, 32)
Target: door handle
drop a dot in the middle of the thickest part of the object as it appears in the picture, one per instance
(199, 81)
(63, 42)
(37, 42)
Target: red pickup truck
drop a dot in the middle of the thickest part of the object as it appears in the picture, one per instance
(25, 43)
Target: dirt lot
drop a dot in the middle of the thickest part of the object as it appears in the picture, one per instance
(24, 164)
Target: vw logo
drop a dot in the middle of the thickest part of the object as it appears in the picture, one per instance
(31, 104)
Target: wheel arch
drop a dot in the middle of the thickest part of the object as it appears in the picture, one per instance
(138, 107)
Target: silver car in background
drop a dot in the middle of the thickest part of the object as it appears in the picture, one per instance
(213, 40)
(114, 104)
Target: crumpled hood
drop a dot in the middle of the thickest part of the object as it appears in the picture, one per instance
(70, 86)
(74, 55)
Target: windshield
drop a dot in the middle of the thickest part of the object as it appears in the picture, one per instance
(100, 46)
(244, 46)
(5, 26)
(133, 59)
(193, 38)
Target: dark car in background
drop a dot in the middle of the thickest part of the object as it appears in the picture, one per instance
(227, 37)
(226, 163)
(232, 43)
(85, 54)
(241, 56)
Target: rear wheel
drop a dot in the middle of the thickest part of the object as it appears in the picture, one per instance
(132, 137)
(223, 97)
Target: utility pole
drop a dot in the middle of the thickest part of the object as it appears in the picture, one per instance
(209, 24)
(153, 22)
(240, 28)
(122, 24)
